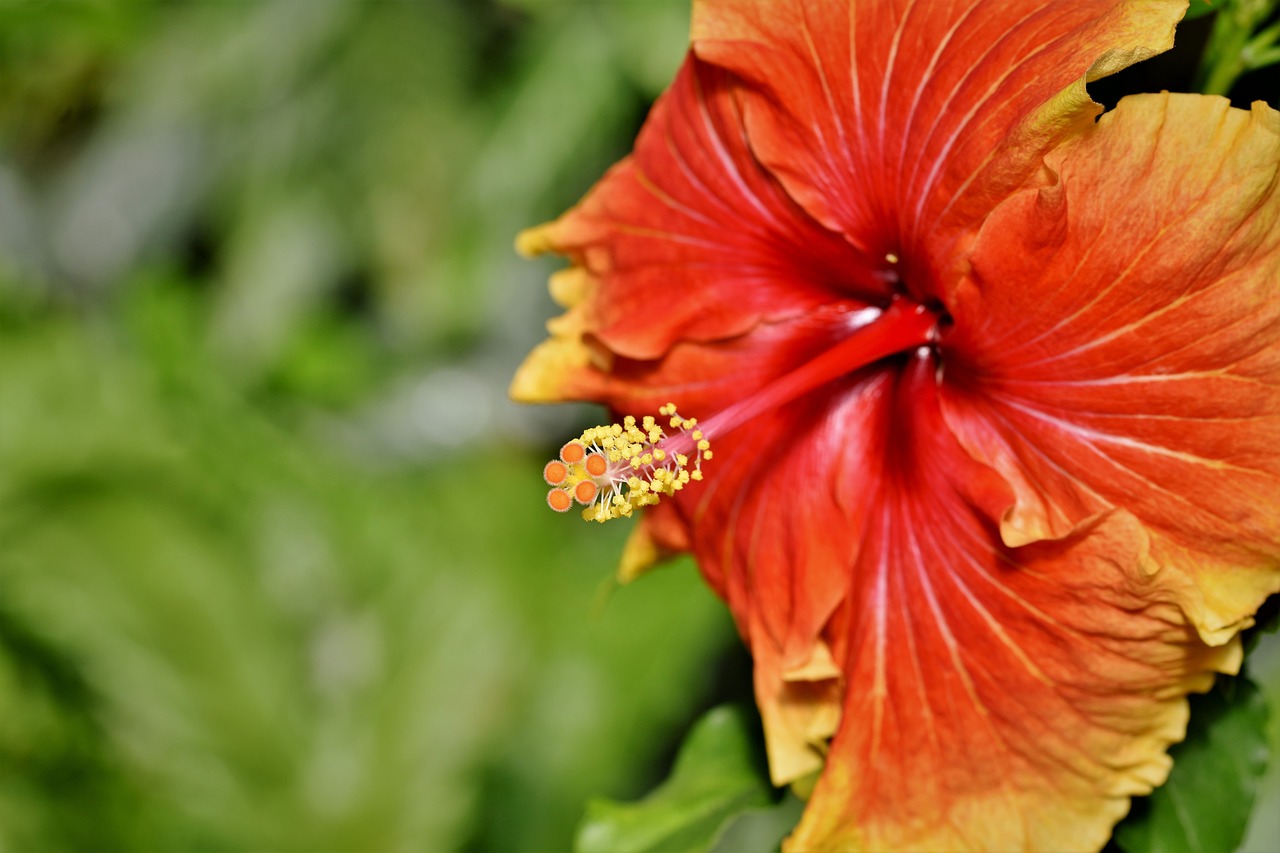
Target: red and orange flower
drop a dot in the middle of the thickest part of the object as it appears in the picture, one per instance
(993, 387)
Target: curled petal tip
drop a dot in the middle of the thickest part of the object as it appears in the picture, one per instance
(570, 286)
(542, 376)
(534, 241)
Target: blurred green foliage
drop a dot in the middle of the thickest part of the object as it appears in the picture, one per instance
(277, 571)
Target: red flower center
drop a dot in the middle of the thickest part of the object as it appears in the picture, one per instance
(876, 334)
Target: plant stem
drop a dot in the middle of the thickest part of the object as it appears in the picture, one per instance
(1234, 49)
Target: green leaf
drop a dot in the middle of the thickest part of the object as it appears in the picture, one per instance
(1205, 805)
(760, 830)
(1200, 8)
(717, 776)
(1266, 621)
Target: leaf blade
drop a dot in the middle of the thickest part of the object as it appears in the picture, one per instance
(716, 777)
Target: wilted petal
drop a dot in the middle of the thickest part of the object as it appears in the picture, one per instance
(1119, 345)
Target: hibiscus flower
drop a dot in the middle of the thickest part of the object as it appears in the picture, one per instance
(993, 388)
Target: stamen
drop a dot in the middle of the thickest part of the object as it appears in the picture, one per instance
(614, 469)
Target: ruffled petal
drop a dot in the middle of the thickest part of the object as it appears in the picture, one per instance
(901, 123)
(994, 698)
(776, 525)
(1119, 346)
(689, 239)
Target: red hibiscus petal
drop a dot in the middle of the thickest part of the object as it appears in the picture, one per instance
(1122, 348)
(689, 239)
(994, 698)
(854, 540)
(902, 123)
(777, 524)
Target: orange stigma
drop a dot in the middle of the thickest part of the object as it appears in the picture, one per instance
(597, 465)
(585, 492)
(555, 473)
(559, 500)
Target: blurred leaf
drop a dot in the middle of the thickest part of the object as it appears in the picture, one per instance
(1200, 8)
(761, 830)
(1266, 621)
(217, 633)
(1205, 805)
(1264, 669)
(716, 777)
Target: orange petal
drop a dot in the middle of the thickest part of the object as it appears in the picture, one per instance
(1002, 699)
(995, 698)
(903, 122)
(800, 706)
(547, 374)
(1121, 346)
(690, 239)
